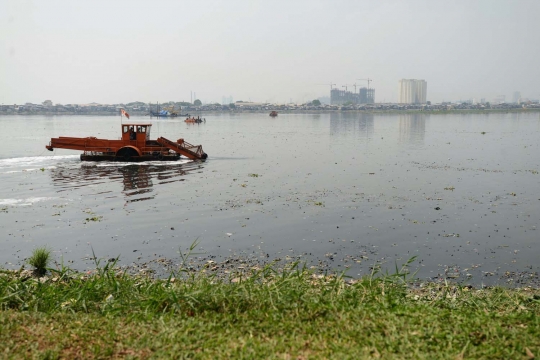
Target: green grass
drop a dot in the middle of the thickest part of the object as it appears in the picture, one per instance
(40, 259)
(264, 313)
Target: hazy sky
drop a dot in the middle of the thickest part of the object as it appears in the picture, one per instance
(127, 50)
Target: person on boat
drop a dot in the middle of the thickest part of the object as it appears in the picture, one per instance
(132, 135)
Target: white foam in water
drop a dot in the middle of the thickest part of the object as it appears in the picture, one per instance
(35, 163)
(35, 159)
(23, 202)
(12, 165)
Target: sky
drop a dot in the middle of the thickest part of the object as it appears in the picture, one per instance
(119, 51)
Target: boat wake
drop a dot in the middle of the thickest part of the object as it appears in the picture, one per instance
(36, 163)
(24, 202)
(74, 178)
(33, 163)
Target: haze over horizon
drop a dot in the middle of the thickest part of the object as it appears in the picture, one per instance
(264, 51)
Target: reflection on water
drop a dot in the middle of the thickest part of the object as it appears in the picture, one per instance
(346, 124)
(412, 128)
(138, 180)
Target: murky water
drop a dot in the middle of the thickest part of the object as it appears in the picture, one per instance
(345, 191)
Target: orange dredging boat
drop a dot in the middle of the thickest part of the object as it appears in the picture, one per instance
(134, 146)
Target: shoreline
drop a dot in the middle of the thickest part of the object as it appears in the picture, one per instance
(159, 268)
(213, 112)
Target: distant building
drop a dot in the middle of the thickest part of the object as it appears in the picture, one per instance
(364, 96)
(227, 100)
(367, 96)
(412, 91)
(47, 103)
(516, 97)
(500, 99)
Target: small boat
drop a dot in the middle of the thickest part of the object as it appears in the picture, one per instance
(273, 114)
(196, 120)
(134, 145)
(166, 112)
(162, 113)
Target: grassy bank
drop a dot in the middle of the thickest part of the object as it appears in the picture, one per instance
(260, 313)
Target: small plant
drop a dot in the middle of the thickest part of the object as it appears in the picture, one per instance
(94, 218)
(40, 260)
(483, 133)
(186, 255)
(254, 175)
(42, 169)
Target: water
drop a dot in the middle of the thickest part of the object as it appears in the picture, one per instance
(338, 190)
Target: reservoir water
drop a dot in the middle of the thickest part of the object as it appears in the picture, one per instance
(339, 191)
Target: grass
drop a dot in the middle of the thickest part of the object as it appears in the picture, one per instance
(40, 259)
(291, 313)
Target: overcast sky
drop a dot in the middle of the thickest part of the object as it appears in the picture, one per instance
(278, 50)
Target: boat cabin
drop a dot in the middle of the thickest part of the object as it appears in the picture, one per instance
(137, 132)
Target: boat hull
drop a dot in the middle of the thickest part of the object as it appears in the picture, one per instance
(94, 157)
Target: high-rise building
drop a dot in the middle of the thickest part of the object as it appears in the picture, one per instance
(412, 91)
(364, 96)
(517, 96)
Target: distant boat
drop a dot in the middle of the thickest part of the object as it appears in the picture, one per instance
(196, 120)
(162, 113)
(166, 112)
(273, 114)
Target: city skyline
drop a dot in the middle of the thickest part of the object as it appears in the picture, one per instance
(225, 100)
(79, 53)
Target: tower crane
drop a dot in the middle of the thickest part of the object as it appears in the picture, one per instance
(328, 84)
(345, 86)
(355, 85)
(368, 81)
